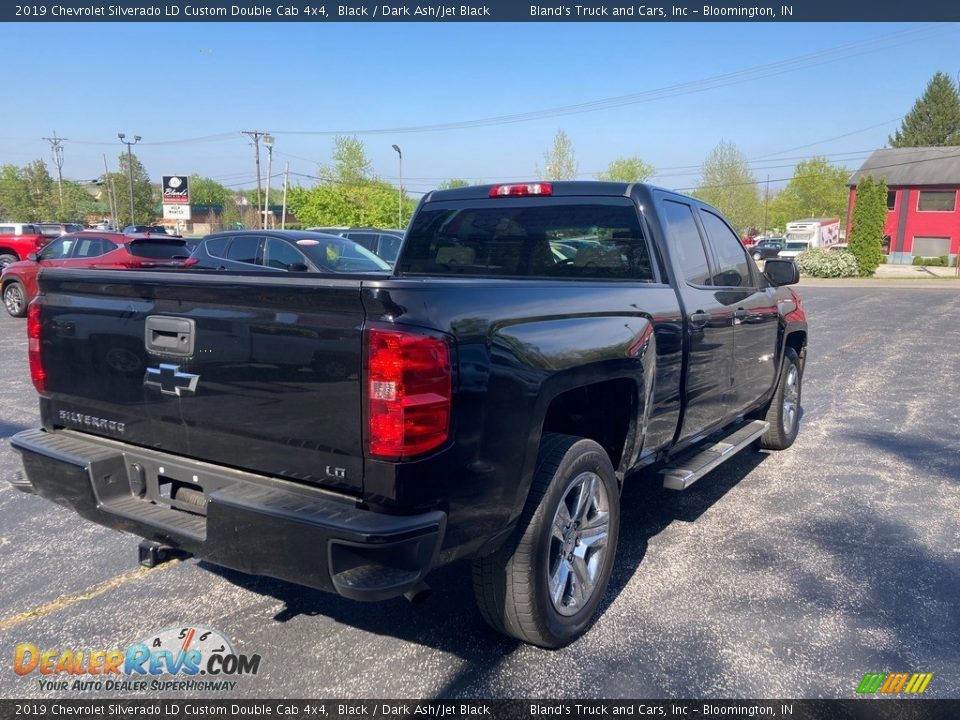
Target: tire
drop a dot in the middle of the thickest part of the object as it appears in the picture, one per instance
(6, 259)
(784, 411)
(757, 256)
(15, 299)
(555, 547)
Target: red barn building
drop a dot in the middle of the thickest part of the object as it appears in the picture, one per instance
(923, 217)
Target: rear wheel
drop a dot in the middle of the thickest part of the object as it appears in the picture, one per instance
(545, 585)
(15, 299)
(757, 256)
(6, 259)
(784, 411)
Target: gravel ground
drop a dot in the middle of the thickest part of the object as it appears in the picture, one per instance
(778, 575)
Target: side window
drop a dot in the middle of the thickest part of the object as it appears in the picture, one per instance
(733, 269)
(58, 249)
(281, 255)
(368, 240)
(88, 248)
(217, 246)
(244, 249)
(685, 242)
(389, 247)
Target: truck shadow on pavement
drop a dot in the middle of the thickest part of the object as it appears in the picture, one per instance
(8, 428)
(449, 621)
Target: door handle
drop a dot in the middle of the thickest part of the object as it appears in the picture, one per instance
(699, 318)
(739, 315)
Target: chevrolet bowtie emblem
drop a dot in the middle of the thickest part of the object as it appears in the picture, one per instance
(170, 380)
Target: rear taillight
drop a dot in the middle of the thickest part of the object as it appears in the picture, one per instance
(34, 326)
(521, 190)
(190, 262)
(408, 389)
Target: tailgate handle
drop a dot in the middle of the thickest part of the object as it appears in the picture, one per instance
(170, 336)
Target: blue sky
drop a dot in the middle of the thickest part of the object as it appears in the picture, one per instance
(178, 81)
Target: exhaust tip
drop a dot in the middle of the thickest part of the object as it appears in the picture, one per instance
(418, 593)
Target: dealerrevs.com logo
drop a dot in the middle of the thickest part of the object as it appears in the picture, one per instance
(185, 658)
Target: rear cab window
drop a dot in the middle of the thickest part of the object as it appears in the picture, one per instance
(580, 238)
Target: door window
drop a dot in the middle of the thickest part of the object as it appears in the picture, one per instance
(733, 269)
(88, 248)
(281, 255)
(244, 249)
(685, 242)
(58, 249)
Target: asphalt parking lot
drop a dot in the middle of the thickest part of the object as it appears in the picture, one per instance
(778, 575)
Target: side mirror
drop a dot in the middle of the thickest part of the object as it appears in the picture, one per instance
(33, 257)
(781, 272)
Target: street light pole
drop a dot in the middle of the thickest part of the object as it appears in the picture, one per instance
(136, 139)
(399, 190)
(268, 141)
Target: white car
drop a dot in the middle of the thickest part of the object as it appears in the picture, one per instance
(793, 248)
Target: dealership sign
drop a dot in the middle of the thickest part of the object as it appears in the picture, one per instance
(176, 190)
(176, 197)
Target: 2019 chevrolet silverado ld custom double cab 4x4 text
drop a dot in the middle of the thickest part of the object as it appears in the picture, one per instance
(534, 345)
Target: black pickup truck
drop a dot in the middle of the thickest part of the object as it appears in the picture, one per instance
(535, 346)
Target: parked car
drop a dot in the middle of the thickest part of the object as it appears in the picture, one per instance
(767, 248)
(55, 230)
(284, 251)
(489, 401)
(86, 249)
(103, 226)
(794, 248)
(18, 240)
(838, 247)
(383, 242)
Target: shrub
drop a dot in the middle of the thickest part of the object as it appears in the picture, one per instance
(942, 261)
(883, 259)
(818, 262)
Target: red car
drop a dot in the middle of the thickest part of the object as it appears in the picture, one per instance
(18, 283)
(18, 240)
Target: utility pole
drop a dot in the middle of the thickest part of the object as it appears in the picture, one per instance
(56, 148)
(136, 139)
(766, 201)
(283, 213)
(255, 135)
(399, 190)
(268, 141)
(109, 188)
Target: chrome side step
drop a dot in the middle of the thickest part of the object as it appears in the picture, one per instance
(685, 471)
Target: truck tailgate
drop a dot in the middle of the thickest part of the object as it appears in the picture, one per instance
(260, 373)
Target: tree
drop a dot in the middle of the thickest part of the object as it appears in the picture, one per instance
(866, 228)
(350, 162)
(817, 189)
(453, 183)
(559, 162)
(206, 191)
(627, 169)
(372, 204)
(145, 195)
(728, 184)
(934, 119)
(14, 194)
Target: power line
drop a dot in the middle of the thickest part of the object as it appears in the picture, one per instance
(752, 73)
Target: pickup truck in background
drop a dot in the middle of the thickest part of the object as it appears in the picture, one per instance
(536, 346)
(18, 240)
